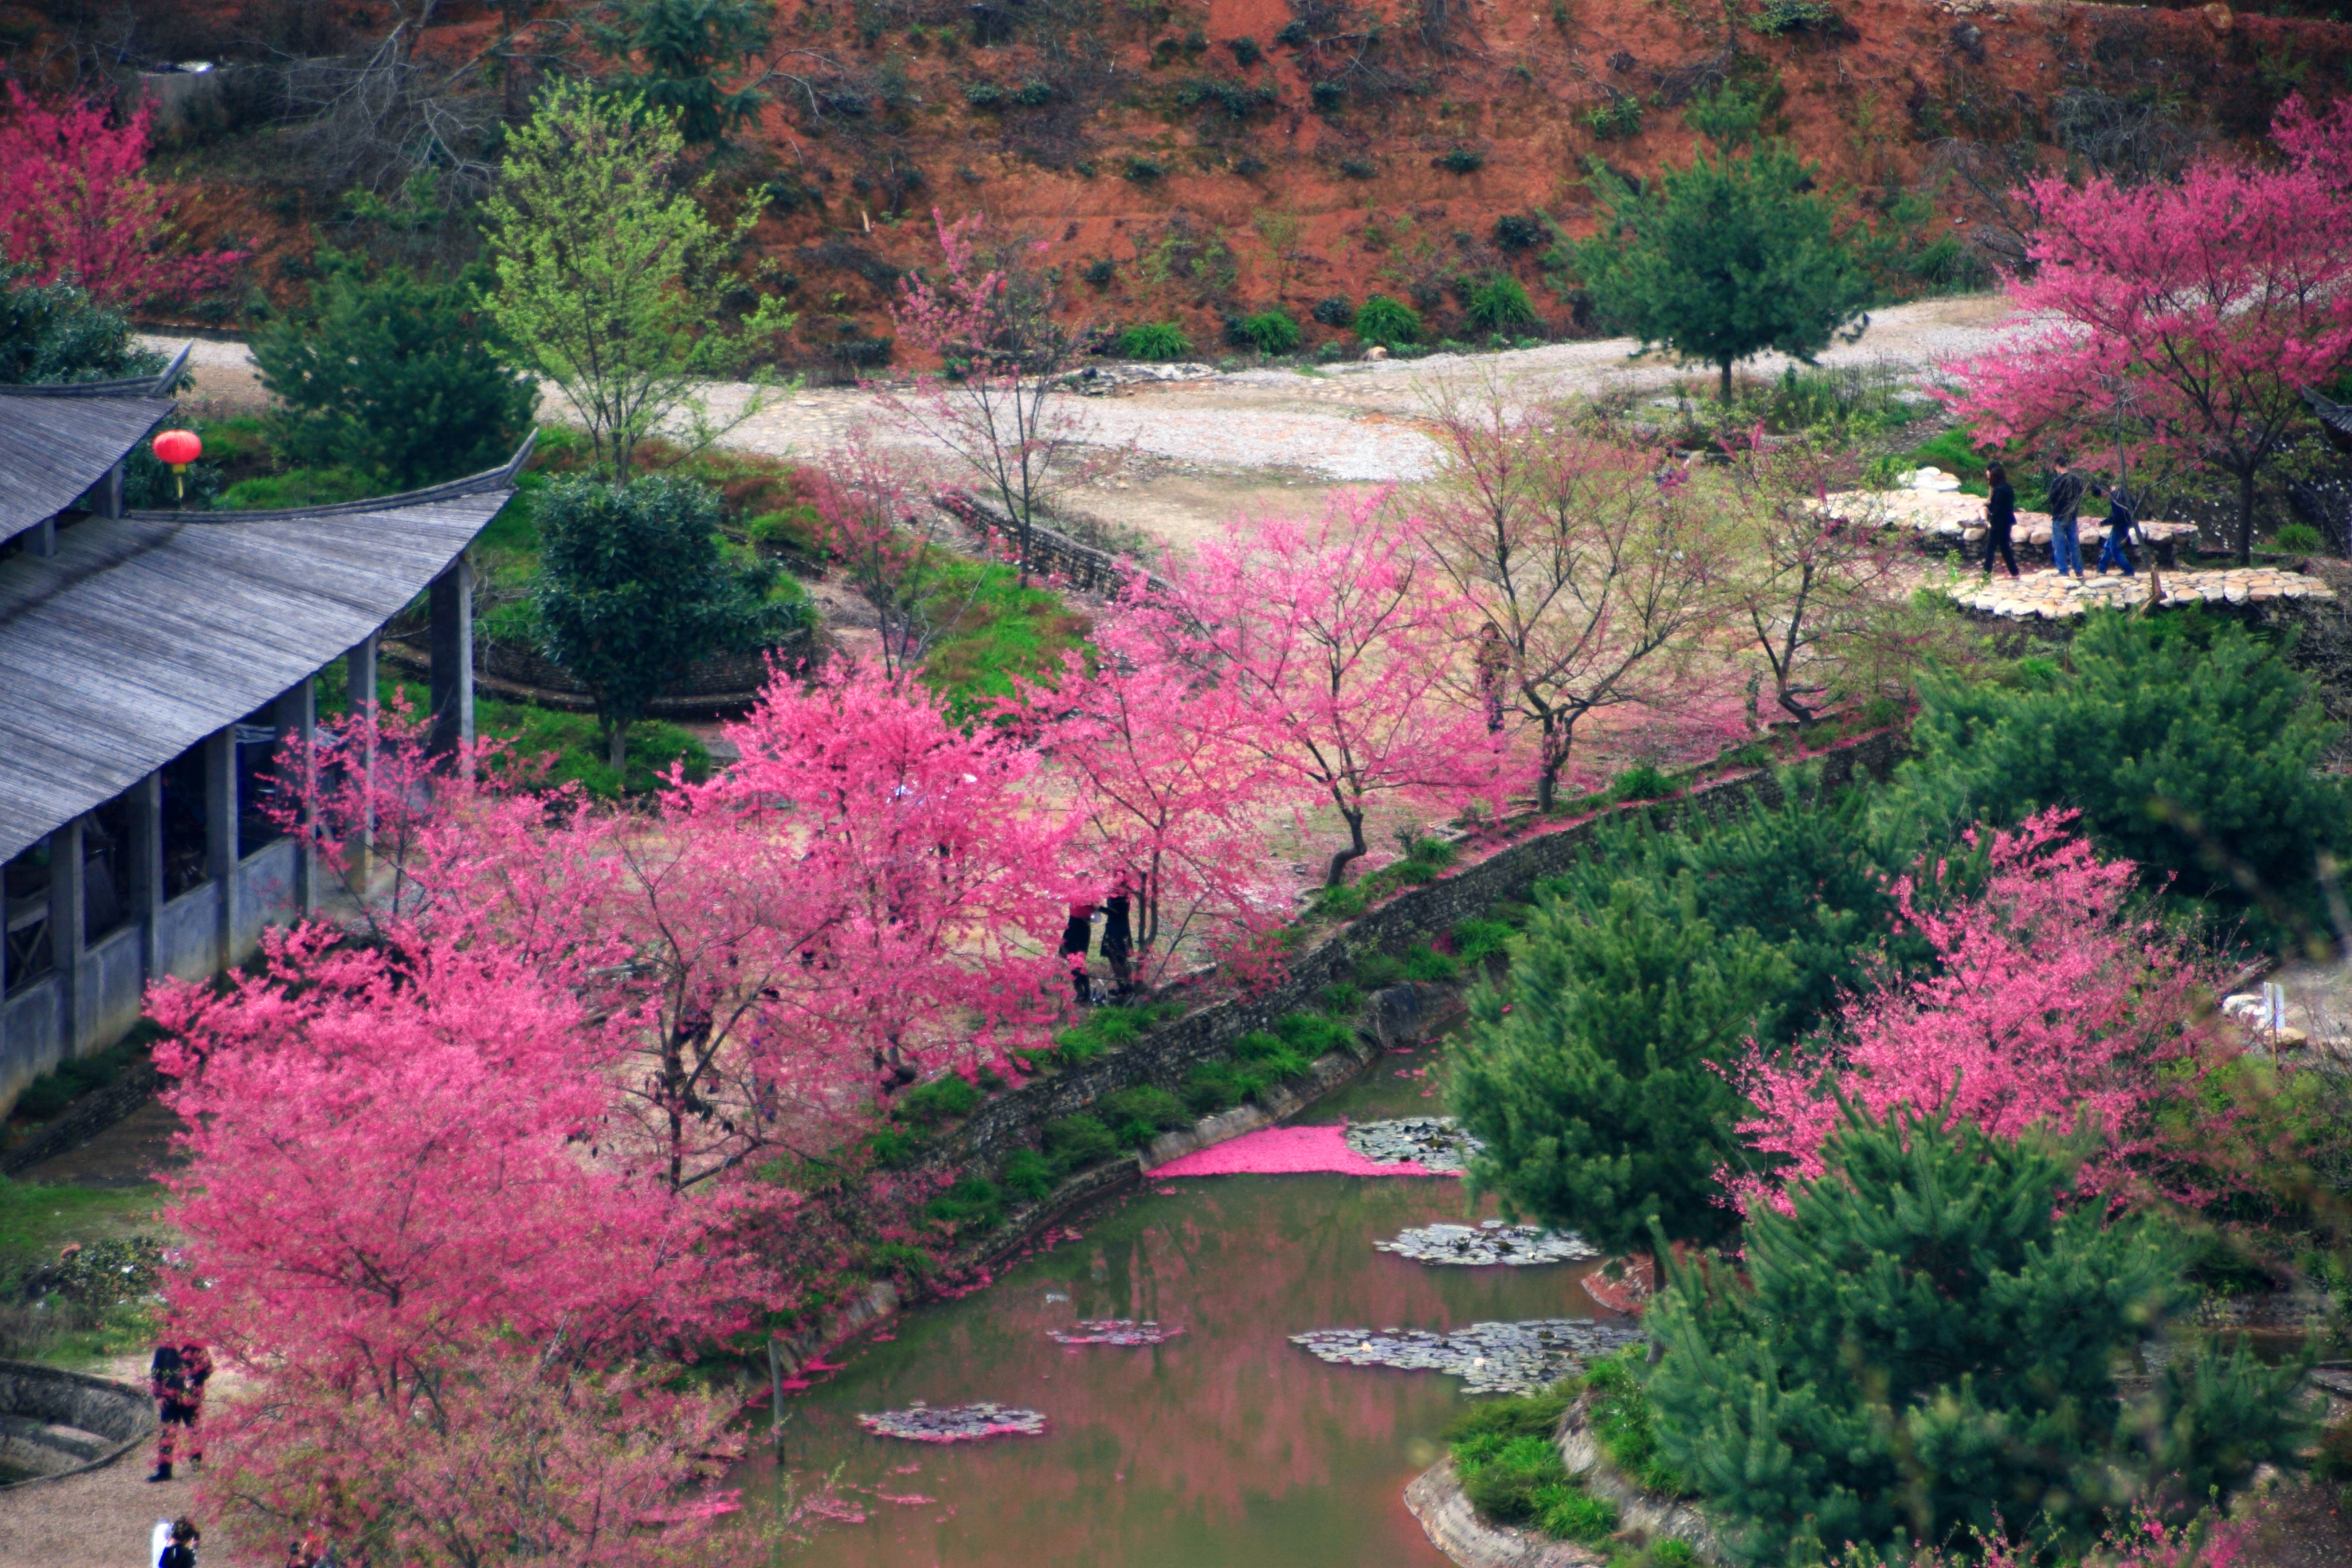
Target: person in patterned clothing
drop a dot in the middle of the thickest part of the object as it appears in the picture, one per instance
(177, 1376)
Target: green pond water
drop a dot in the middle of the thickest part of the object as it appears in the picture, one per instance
(1226, 1445)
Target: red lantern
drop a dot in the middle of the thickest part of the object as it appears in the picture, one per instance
(179, 448)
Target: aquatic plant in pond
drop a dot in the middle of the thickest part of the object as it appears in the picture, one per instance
(1488, 1244)
(1490, 1358)
(1432, 1142)
(1114, 1331)
(920, 1423)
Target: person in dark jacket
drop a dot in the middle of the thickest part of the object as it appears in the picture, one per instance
(2065, 520)
(1077, 935)
(2000, 520)
(176, 1376)
(2121, 520)
(1118, 939)
(181, 1552)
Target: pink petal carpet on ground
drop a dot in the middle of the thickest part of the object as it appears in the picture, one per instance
(1288, 1151)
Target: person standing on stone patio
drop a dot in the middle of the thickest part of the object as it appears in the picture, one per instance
(2000, 520)
(2065, 522)
(2121, 520)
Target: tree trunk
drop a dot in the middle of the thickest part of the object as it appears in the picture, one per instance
(1342, 858)
(2246, 517)
(616, 745)
(1726, 383)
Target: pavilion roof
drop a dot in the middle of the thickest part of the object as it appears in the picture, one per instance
(56, 439)
(145, 633)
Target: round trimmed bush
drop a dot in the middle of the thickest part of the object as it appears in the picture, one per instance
(1388, 322)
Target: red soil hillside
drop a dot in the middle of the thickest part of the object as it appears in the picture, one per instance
(1133, 132)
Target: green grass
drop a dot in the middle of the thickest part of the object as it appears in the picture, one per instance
(1105, 1029)
(1511, 1470)
(1137, 1116)
(572, 741)
(948, 1099)
(996, 629)
(1625, 1424)
(80, 1324)
(1510, 1467)
(36, 1221)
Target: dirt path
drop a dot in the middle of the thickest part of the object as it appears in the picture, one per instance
(1260, 440)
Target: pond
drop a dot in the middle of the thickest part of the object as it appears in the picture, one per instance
(1225, 1445)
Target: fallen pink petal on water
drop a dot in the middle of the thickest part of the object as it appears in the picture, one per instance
(1113, 1331)
(1288, 1150)
(1165, 1192)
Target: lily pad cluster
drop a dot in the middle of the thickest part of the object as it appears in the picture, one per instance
(1489, 1358)
(1432, 1142)
(921, 1423)
(1113, 1331)
(1483, 1246)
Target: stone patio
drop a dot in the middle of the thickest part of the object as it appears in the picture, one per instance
(2045, 595)
(1947, 514)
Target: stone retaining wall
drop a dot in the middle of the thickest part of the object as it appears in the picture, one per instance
(62, 1423)
(1164, 1057)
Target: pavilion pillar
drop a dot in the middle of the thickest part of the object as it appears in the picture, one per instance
(220, 831)
(145, 799)
(298, 722)
(110, 492)
(68, 926)
(360, 667)
(43, 539)
(453, 659)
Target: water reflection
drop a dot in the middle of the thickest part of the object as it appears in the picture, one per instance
(1226, 1446)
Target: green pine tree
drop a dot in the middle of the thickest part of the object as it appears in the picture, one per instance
(400, 379)
(1929, 1342)
(634, 587)
(2189, 745)
(1596, 1092)
(1733, 255)
(682, 51)
(54, 332)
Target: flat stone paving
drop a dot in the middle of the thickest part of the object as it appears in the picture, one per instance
(1960, 517)
(2045, 595)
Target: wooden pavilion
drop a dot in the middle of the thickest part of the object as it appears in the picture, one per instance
(151, 665)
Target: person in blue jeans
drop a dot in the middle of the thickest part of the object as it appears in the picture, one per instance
(2121, 518)
(2065, 495)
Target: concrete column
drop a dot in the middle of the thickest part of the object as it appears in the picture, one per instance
(69, 923)
(360, 665)
(220, 831)
(453, 659)
(298, 722)
(146, 851)
(42, 541)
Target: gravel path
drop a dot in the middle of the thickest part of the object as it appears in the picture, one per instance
(1351, 423)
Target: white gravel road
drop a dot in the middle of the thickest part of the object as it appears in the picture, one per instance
(1349, 423)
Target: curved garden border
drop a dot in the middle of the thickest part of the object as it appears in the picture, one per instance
(35, 1398)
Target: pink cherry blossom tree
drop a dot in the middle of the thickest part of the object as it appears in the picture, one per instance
(1817, 594)
(1588, 571)
(2052, 1002)
(73, 203)
(1338, 642)
(1171, 791)
(2182, 320)
(412, 1234)
(990, 317)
